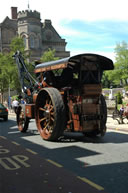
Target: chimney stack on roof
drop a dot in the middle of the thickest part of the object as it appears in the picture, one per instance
(14, 12)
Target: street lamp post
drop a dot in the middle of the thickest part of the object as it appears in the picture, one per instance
(9, 97)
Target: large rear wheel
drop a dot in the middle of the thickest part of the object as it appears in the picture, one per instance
(103, 113)
(22, 120)
(50, 114)
(101, 129)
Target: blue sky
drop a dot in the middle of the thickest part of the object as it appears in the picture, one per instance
(96, 36)
(93, 26)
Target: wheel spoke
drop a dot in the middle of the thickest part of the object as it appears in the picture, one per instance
(51, 108)
(44, 118)
(52, 119)
(46, 126)
(50, 130)
(42, 109)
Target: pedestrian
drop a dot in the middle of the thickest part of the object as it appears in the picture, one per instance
(126, 111)
(22, 101)
(122, 110)
(15, 105)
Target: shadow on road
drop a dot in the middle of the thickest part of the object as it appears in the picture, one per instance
(111, 176)
(10, 128)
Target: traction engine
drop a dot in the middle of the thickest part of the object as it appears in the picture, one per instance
(66, 95)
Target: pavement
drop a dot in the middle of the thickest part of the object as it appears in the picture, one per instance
(114, 125)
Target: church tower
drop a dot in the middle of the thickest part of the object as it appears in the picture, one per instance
(38, 36)
(29, 28)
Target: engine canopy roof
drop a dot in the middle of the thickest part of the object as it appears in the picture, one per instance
(76, 62)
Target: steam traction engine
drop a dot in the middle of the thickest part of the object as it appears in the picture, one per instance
(65, 96)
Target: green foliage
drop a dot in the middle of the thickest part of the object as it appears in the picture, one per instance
(15, 97)
(121, 64)
(17, 44)
(106, 80)
(126, 88)
(8, 68)
(4, 76)
(48, 56)
(119, 76)
(119, 98)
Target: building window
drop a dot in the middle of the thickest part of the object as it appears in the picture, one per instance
(37, 43)
(32, 42)
(24, 40)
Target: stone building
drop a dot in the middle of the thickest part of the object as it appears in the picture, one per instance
(38, 37)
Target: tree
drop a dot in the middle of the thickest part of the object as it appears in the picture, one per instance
(17, 43)
(4, 78)
(121, 64)
(119, 98)
(48, 56)
(106, 80)
(8, 68)
(119, 76)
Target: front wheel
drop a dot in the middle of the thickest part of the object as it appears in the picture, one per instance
(22, 120)
(50, 114)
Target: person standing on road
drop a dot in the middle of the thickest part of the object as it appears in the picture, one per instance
(15, 105)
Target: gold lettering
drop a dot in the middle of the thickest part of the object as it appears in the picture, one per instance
(9, 161)
(3, 150)
(21, 159)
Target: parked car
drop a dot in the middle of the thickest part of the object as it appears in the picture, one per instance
(3, 112)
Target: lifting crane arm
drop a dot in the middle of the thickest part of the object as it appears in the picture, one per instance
(26, 79)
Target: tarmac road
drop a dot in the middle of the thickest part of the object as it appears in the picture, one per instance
(24, 171)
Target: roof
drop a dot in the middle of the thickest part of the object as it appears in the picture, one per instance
(102, 62)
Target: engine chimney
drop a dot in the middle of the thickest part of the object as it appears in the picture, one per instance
(14, 12)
